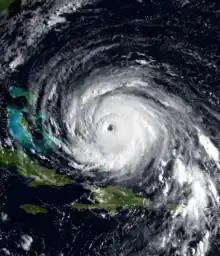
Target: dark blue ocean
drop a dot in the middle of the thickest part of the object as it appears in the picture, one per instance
(184, 34)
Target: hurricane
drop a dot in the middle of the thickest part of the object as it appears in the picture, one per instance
(128, 96)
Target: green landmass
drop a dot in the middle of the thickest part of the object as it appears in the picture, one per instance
(174, 207)
(4, 4)
(38, 175)
(24, 124)
(32, 209)
(112, 198)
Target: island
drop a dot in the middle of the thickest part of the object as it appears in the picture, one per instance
(37, 174)
(112, 198)
(18, 126)
(109, 198)
(33, 209)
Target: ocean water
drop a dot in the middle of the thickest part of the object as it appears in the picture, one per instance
(112, 93)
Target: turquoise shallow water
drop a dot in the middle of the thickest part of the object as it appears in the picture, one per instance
(19, 131)
(22, 136)
(181, 38)
(16, 130)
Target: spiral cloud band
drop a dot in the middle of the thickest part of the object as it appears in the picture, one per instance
(117, 127)
(121, 123)
(127, 115)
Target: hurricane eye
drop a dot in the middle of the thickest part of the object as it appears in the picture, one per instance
(118, 101)
(111, 128)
